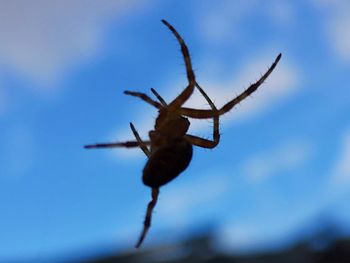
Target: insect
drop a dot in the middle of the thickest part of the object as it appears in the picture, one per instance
(169, 148)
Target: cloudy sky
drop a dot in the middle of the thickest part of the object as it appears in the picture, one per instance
(284, 155)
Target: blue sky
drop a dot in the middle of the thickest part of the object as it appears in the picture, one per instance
(284, 155)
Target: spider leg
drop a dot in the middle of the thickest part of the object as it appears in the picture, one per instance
(201, 142)
(127, 144)
(148, 218)
(140, 143)
(164, 104)
(203, 114)
(144, 97)
(195, 140)
(186, 93)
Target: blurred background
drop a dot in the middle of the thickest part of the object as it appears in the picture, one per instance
(278, 185)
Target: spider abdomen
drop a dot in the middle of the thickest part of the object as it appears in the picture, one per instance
(166, 163)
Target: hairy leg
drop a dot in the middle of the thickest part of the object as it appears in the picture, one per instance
(186, 93)
(144, 97)
(148, 217)
(203, 114)
(141, 144)
(195, 140)
(161, 100)
(127, 144)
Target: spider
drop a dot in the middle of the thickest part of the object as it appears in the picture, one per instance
(169, 148)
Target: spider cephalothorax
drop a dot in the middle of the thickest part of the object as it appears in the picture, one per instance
(169, 148)
(171, 124)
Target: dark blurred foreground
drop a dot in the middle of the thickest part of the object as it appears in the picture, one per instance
(201, 249)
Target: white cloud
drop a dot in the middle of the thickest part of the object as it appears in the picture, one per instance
(259, 233)
(225, 20)
(177, 203)
(240, 236)
(40, 38)
(337, 25)
(341, 170)
(275, 161)
(282, 12)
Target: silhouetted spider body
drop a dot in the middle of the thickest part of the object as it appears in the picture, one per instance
(167, 163)
(169, 148)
